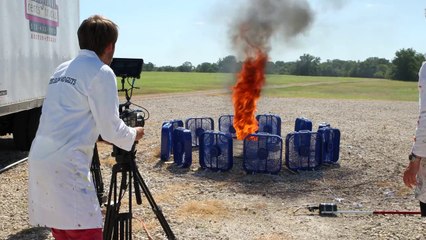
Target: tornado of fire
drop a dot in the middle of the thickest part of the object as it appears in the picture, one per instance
(251, 33)
(246, 92)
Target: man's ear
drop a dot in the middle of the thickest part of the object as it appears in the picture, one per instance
(109, 48)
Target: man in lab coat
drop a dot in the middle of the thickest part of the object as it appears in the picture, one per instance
(81, 103)
(415, 173)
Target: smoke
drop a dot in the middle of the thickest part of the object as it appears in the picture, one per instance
(251, 36)
(261, 19)
(334, 4)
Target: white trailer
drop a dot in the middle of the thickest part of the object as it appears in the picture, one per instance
(37, 35)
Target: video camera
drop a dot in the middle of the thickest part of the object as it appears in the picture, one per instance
(129, 68)
(132, 118)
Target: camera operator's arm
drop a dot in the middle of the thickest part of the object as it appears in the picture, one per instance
(140, 132)
(103, 101)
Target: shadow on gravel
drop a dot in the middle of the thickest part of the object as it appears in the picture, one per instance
(35, 233)
(284, 184)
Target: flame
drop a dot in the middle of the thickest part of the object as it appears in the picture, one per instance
(251, 34)
(246, 92)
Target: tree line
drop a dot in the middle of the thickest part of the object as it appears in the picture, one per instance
(404, 66)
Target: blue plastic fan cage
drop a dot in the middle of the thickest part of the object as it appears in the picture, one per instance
(175, 124)
(166, 141)
(182, 148)
(269, 123)
(167, 137)
(302, 123)
(302, 151)
(323, 124)
(262, 153)
(329, 141)
(197, 126)
(226, 125)
(216, 151)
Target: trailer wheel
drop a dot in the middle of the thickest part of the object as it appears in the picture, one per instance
(25, 126)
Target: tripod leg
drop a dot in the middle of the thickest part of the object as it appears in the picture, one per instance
(112, 206)
(155, 208)
(118, 225)
(124, 226)
(96, 174)
(133, 168)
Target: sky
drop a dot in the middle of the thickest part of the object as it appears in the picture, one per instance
(171, 32)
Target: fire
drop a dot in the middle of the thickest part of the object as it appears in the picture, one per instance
(246, 92)
(251, 34)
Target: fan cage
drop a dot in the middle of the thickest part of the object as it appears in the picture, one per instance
(329, 139)
(182, 147)
(269, 123)
(302, 151)
(175, 124)
(226, 125)
(302, 123)
(215, 151)
(262, 153)
(197, 126)
(167, 128)
(323, 125)
(166, 141)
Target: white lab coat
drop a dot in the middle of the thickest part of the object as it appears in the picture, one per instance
(419, 146)
(81, 104)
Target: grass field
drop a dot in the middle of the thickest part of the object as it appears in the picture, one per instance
(280, 86)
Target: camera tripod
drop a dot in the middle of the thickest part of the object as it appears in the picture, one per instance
(95, 169)
(118, 225)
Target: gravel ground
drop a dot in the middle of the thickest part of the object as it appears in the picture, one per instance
(376, 137)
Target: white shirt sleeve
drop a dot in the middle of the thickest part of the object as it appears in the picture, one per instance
(419, 146)
(103, 101)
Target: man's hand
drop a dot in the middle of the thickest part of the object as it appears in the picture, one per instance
(139, 133)
(410, 173)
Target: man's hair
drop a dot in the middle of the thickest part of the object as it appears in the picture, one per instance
(96, 33)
